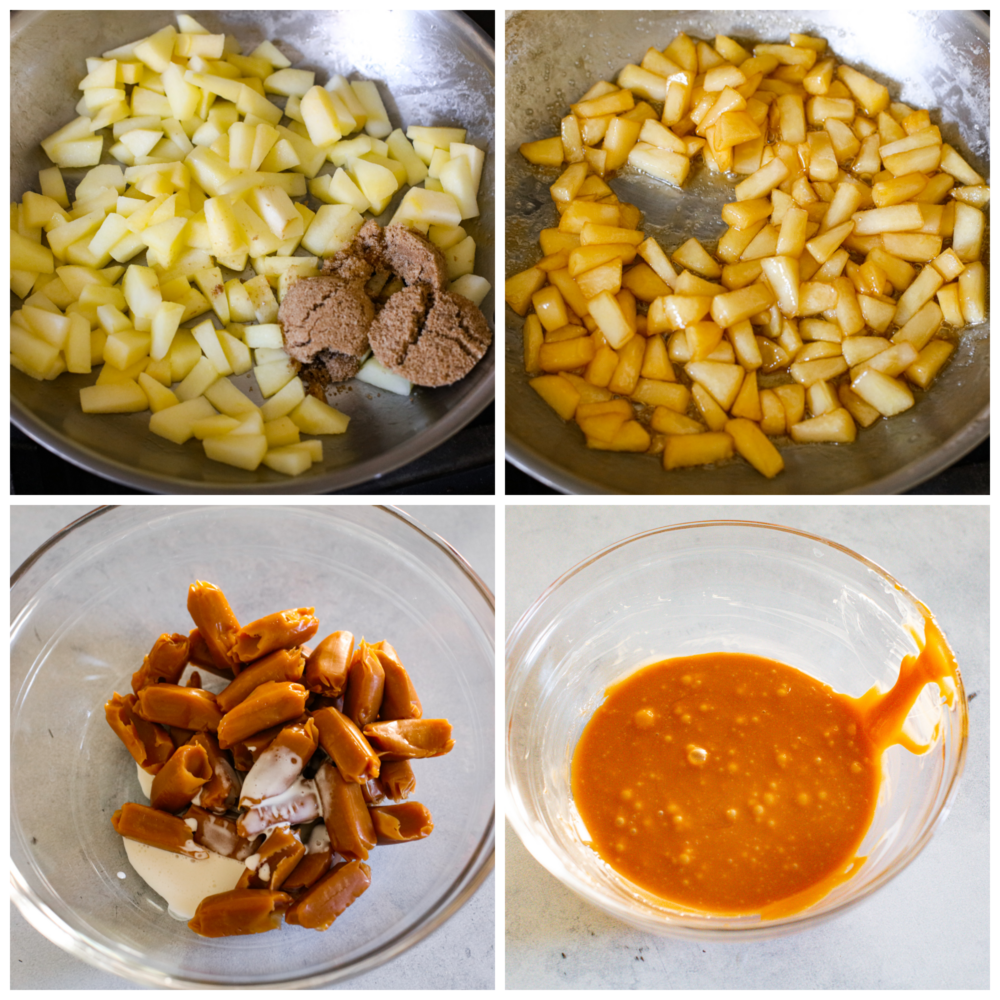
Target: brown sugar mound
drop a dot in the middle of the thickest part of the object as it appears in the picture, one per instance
(395, 250)
(430, 336)
(326, 313)
(423, 332)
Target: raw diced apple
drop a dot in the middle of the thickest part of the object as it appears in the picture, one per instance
(176, 423)
(120, 397)
(377, 183)
(124, 348)
(332, 229)
(245, 451)
(377, 119)
(456, 179)
(291, 460)
(472, 286)
(226, 398)
(274, 376)
(375, 373)
(284, 400)
(197, 380)
(314, 416)
(280, 432)
(265, 306)
(160, 396)
(214, 426)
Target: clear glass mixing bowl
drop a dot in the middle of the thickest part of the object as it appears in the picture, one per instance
(87, 606)
(712, 586)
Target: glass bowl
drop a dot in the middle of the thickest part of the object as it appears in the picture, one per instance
(86, 607)
(731, 586)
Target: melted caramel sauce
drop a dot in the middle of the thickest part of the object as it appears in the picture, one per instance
(732, 784)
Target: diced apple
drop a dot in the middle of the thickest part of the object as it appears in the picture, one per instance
(332, 229)
(291, 460)
(376, 117)
(245, 451)
(160, 396)
(284, 400)
(313, 416)
(375, 373)
(176, 423)
(274, 376)
(281, 431)
(120, 397)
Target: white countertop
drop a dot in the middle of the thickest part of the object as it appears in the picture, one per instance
(926, 929)
(459, 955)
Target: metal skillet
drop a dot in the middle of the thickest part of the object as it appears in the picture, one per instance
(432, 67)
(930, 59)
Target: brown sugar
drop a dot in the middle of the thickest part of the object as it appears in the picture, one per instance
(430, 336)
(327, 314)
(395, 250)
(425, 333)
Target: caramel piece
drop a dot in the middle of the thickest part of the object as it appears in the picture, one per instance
(164, 662)
(222, 790)
(281, 630)
(277, 858)
(345, 813)
(398, 824)
(281, 665)
(329, 663)
(279, 766)
(180, 779)
(200, 656)
(408, 738)
(397, 779)
(239, 911)
(219, 834)
(365, 683)
(217, 625)
(149, 744)
(156, 828)
(344, 742)
(313, 866)
(399, 699)
(183, 707)
(330, 896)
(271, 704)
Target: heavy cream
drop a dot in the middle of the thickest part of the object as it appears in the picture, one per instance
(183, 882)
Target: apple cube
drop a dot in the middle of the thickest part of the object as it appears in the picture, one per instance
(314, 416)
(176, 423)
(376, 117)
(119, 397)
(375, 373)
(245, 451)
(332, 229)
(201, 376)
(284, 400)
(160, 396)
(280, 432)
(291, 460)
(214, 426)
(208, 340)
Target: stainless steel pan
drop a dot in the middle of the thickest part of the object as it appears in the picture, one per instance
(933, 59)
(432, 67)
